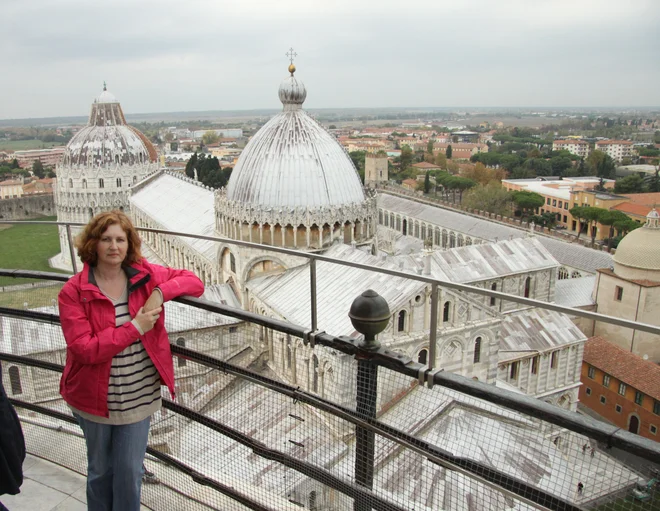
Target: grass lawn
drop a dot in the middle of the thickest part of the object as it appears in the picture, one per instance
(630, 504)
(37, 297)
(22, 145)
(27, 247)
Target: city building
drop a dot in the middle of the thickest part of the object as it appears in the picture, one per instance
(630, 289)
(100, 165)
(375, 169)
(11, 188)
(578, 147)
(461, 151)
(617, 149)
(39, 186)
(48, 157)
(621, 387)
(558, 194)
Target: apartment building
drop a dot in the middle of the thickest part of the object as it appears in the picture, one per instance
(621, 387)
(578, 147)
(617, 149)
(48, 157)
(461, 151)
(11, 188)
(557, 193)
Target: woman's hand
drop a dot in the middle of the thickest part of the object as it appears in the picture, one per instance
(154, 301)
(147, 319)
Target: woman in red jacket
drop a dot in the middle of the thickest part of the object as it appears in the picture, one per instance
(118, 354)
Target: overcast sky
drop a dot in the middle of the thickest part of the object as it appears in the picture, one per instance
(164, 56)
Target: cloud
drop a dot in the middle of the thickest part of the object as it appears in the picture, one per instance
(199, 55)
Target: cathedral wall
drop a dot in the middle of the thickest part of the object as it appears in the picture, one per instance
(27, 207)
(545, 374)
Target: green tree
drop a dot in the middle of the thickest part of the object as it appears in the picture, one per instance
(592, 216)
(427, 183)
(610, 218)
(527, 202)
(448, 152)
(190, 166)
(38, 169)
(633, 183)
(654, 181)
(601, 165)
(491, 197)
(429, 147)
(441, 160)
(210, 137)
(577, 212)
(406, 157)
(14, 164)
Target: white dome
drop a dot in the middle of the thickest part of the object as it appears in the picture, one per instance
(293, 161)
(107, 139)
(640, 249)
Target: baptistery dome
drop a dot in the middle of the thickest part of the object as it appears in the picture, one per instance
(638, 253)
(107, 139)
(294, 175)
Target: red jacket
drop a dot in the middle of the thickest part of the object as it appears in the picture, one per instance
(88, 323)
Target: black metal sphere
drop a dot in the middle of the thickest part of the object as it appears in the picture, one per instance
(369, 313)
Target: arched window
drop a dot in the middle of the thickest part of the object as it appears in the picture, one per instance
(562, 273)
(289, 354)
(423, 231)
(313, 506)
(118, 182)
(380, 216)
(452, 240)
(315, 373)
(405, 227)
(528, 286)
(444, 238)
(460, 240)
(101, 183)
(232, 262)
(401, 325)
(477, 350)
(633, 425)
(576, 275)
(134, 179)
(493, 300)
(423, 356)
(445, 312)
(181, 362)
(15, 380)
(70, 183)
(84, 184)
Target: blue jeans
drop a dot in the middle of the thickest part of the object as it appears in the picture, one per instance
(114, 464)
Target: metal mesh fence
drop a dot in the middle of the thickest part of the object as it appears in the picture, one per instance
(243, 429)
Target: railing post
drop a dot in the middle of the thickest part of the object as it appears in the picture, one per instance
(433, 332)
(72, 252)
(369, 314)
(312, 288)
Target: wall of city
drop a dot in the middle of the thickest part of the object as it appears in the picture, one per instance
(24, 208)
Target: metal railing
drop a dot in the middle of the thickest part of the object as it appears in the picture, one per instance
(491, 479)
(378, 432)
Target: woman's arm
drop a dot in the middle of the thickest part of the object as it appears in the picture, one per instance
(85, 346)
(172, 283)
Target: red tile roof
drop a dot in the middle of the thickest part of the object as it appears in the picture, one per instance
(425, 165)
(647, 199)
(633, 209)
(631, 369)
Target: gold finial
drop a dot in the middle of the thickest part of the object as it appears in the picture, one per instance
(291, 54)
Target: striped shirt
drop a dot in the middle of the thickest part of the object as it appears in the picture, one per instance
(134, 385)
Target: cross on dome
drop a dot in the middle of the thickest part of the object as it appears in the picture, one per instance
(291, 55)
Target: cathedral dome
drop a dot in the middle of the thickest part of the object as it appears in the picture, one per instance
(639, 249)
(107, 139)
(293, 161)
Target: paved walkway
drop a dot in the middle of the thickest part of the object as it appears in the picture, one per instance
(48, 487)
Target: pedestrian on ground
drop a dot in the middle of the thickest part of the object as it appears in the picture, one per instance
(580, 488)
(593, 452)
(584, 448)
(118, 354)
(12, 447)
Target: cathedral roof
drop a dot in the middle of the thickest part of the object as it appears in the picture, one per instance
(107, 139)
(180, 204)
(641, 247)
(293, 161)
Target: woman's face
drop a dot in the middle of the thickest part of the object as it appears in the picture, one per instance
(113, 246)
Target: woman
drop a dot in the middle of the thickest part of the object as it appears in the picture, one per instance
(118, 354)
